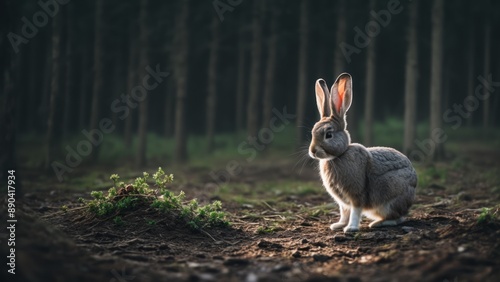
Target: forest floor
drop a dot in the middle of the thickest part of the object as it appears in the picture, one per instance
(280, 217)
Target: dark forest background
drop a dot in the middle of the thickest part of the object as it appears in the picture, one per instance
(229, 64)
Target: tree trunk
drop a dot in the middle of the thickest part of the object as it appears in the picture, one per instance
(471, 79)
(240, 84)
(270, 70)
(339, 65)
(411, 77)
(212, 84)
(180, 59)
(119, 83)
(84, 89)
(69, 71)
(8, 103)
(131, 83)
(437, 150)
(339, 60)
(302, 73)
(169, 109)
(370, 86)
(54, 88)
(31, 122)
(486, 65)
(98, 73)
(10, 79)
(252, 107)
(496, 99)
(143, 105)
(447, 80)
(43, 111)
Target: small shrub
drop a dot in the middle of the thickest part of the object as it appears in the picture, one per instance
(209, 215)
(125, 197)
(126, 203)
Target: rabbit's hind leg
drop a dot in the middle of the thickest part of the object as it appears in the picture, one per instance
(388, 222)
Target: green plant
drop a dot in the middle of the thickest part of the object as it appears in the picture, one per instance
(126, 203)
(121, 198)
(495, 190)
(100, 207)
(118, 220)
(198, 217)
(486, 216)
(267, 229)
(169, 201)
(161, 179)
(357, 236)
(115, 178)
(98, 195)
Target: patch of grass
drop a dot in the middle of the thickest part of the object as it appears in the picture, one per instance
(268, 229)
(128, 197)
(458, 163)
(495, 190)
(287, 188)
(428, 175)
(241, 193)
(487, 215)
(283, 205)
(243, 200)
(252, 194)
(160, 148)
(491, 176)
(389, 132)
(251, 215)
(319, 210)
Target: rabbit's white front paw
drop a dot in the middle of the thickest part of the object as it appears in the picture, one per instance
(351, 229)
(338, 225)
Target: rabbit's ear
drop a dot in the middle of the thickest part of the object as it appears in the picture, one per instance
(322, 98)
(341, 94)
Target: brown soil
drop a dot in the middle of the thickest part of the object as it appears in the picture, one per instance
(441, 241)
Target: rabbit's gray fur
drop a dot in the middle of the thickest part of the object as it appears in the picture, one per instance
(378, 182)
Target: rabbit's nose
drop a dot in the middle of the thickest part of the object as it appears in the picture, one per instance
(313, 149)
(312, 153)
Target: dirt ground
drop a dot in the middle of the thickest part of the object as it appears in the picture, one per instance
(285, 238)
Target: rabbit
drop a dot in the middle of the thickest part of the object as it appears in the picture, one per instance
(377, 182)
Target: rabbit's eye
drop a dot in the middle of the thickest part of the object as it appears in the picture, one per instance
(328, 135)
